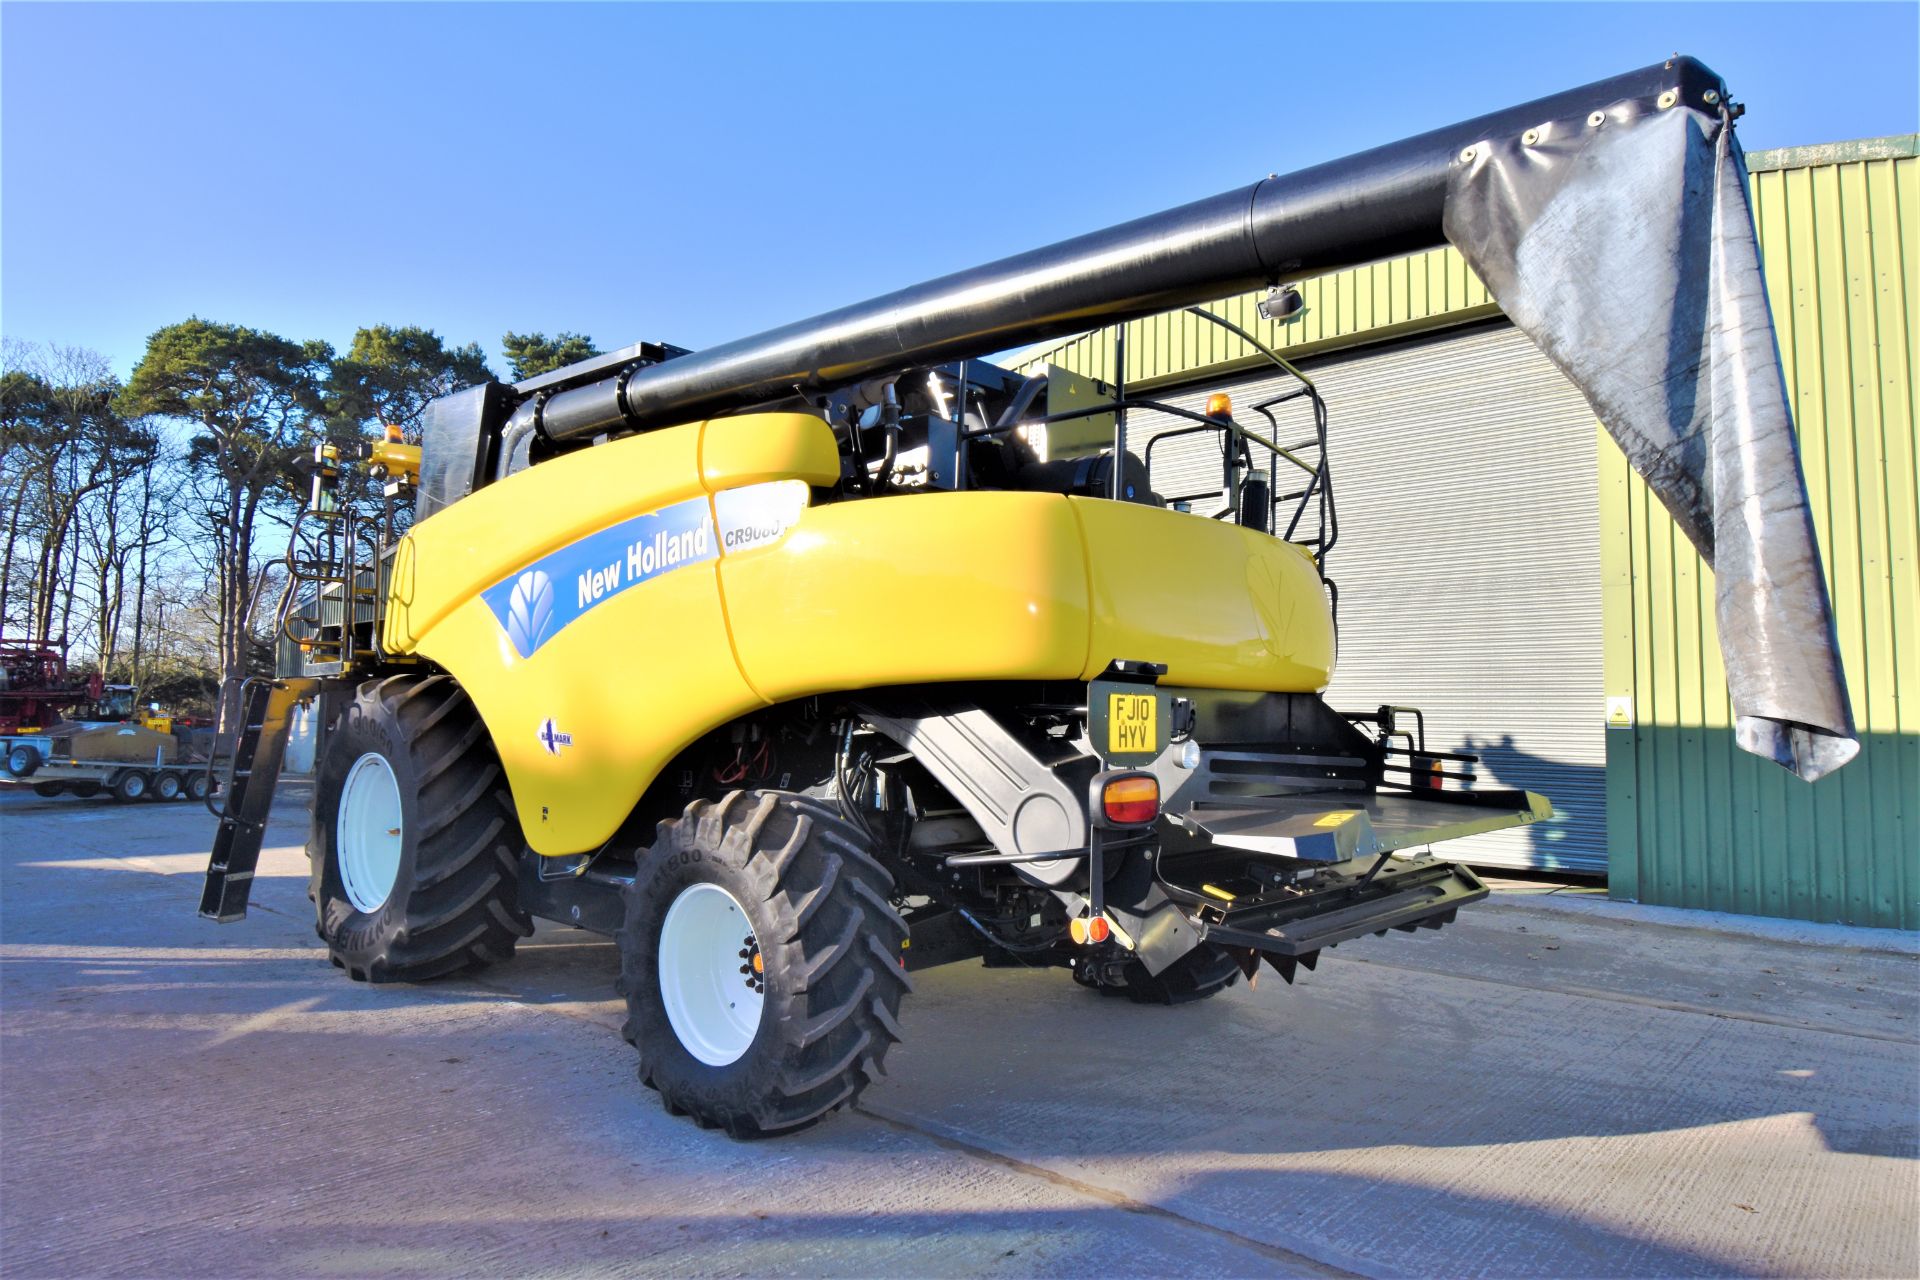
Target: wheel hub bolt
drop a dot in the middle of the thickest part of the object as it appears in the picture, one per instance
(752, 967)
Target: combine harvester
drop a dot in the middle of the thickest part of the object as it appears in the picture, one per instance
(827, 654)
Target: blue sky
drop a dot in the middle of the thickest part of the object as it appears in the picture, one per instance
(692, 174)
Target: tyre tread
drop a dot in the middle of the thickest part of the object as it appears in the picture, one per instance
(462, 908)
(826, 896)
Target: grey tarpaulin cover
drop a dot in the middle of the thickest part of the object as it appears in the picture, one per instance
(1622, 244)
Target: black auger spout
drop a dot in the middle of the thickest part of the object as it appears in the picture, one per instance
(1378, 204)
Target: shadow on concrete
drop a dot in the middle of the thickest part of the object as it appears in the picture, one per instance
(859, 1241)
(1356, 1057)
(1263, 1073)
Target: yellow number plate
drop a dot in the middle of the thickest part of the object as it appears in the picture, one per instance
(1132, 722)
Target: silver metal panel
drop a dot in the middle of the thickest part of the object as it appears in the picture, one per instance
(1468, 563)
(1021, 803)
(1334, 826)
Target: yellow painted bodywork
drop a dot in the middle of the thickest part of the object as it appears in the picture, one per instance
(393, 458)
(917, 589)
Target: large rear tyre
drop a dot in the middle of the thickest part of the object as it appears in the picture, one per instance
(414, 837)
(1204, 971)
(49, 788)
(761, 963)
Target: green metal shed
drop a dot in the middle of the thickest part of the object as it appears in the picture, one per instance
(1619, 642)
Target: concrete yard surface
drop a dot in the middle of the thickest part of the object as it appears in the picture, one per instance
(1532, 1092)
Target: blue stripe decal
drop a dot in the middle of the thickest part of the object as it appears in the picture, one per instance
(537, 603)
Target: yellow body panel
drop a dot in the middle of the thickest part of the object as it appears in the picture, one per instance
(605, 609)
(741, 451)
(630, 684)
(486, 536)
(394, 458)
(907, 590)
(1224, 607)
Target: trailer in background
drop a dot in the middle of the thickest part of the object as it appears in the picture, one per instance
(128, 761)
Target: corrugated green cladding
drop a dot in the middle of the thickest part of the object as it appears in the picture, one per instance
(1693, 821)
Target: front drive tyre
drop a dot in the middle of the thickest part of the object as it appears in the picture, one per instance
(414, 837)
(761, 963)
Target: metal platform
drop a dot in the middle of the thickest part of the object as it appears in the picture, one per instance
(1330, 826)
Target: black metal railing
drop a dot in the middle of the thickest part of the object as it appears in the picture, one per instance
(1305, 459)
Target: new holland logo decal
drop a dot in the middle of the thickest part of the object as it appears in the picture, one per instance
(530, 610)
(536, 603)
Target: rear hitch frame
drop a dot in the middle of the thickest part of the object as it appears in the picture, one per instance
(1424, 894)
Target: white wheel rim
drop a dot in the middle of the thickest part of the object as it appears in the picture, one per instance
(705, 942)
(367, 834)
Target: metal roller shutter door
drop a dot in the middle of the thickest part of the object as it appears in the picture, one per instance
(1468, 563)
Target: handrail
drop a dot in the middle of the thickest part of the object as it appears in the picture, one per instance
(1323, 480)
(332, 557)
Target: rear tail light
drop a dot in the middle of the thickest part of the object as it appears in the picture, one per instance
(1089, 929)
(1130, 800)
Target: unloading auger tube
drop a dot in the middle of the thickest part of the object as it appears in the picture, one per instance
(1378, 204)
(821, 656)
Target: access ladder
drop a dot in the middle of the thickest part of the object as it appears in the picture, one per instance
(266, 715)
